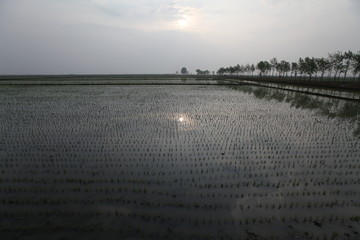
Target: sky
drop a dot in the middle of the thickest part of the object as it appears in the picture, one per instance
(158, 36)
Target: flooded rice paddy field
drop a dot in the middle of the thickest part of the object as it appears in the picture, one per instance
(177, 162)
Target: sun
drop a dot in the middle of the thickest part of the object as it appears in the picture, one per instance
(182, 23)
(186, 19)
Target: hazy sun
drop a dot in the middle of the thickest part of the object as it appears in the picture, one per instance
(187, 19)
(182, 23)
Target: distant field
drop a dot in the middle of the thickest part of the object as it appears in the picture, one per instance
(177, 162)
(109, 80)
(171, 79)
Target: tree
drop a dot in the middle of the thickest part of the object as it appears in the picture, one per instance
(307, 66)
(242, 69)
(302, 66)
(322, 65)
(252, 69)
(336, 60)
(247, 68)
(336, 63)
(232, 70)
(184, 70)
(347, 58)
(221, 71)
(237, 69)
(310, 66)
(274, 64)
(264, 67)
(294, 68)
(200, 72)
(285, 67)
(268, 66)
(356, 64)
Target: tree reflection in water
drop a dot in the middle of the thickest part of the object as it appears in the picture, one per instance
(330, 107)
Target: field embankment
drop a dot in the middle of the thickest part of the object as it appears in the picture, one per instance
(348, 83)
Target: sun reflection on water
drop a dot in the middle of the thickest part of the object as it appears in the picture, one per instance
(185, 122)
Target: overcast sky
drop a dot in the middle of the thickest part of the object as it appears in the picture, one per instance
(161, 36)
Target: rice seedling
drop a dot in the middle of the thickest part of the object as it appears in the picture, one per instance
(123, 158)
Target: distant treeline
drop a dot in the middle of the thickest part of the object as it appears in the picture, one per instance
(205, 72)
(336, 65)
